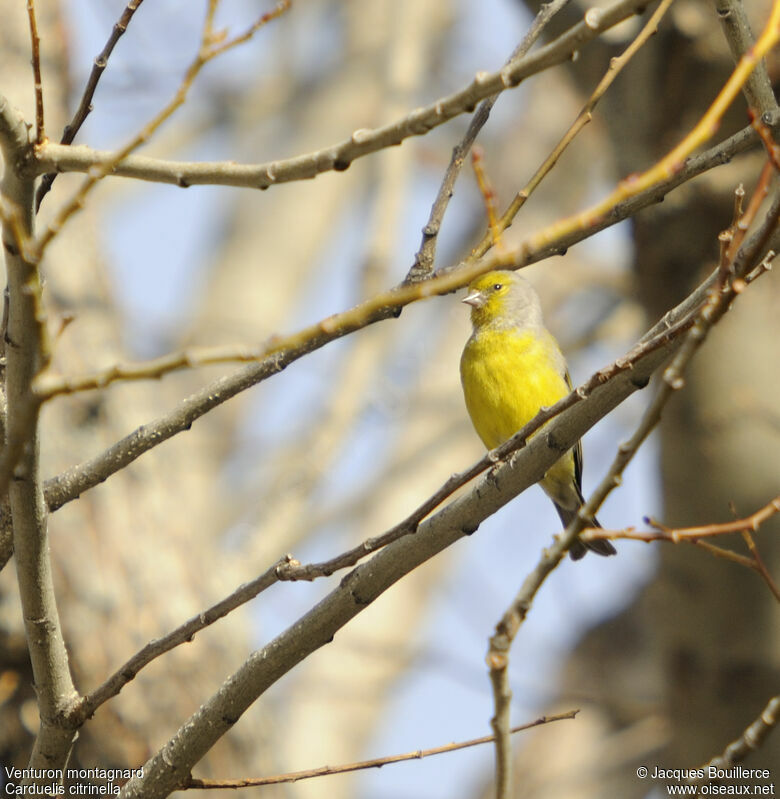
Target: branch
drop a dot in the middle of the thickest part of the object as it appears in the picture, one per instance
(673, 161)
(324, 771)
(35, 42)
(721, 296)
(693, 535)
(498, 655)
(181, 635)
(423, 260)
(750, 740)
(736, 28)
(616, 66)
(85, 106)
(674, 535)
(27, 351)
(338, 157)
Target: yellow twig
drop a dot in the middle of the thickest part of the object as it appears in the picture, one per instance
(583, 118)
(488, 195)
(675, 159)
(40, 135)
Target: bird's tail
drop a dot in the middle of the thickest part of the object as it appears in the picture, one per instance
(579, 548)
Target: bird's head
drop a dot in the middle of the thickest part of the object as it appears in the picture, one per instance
(503, 299)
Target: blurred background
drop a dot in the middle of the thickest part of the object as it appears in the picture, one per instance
(668, 652)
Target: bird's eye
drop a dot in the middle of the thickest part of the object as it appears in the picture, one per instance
(497, 286)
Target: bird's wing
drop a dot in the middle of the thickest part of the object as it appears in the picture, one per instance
(577, 451)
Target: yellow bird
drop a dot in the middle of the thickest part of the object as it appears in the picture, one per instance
(510, 368)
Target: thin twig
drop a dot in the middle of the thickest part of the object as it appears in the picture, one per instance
(765, 134)
(693, 535)
(674, 160)
(676, 534)
(378, 762)
(278, 352)
(424, 259)
(616, 65)
(89, 703)
(760, 566)
(719, 302)
(85, 106)
(362, 142)
(487, 192)
(498, 656)
(40, 134)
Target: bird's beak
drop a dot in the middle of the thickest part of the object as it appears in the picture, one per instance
(476, 299)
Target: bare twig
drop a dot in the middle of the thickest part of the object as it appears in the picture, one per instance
(35, 41)
(759, 564)
(85, 106)
(498, 656)
(424, 259)
(693, 535)
(616, 65)
(765, 134)
(56, 158)
(488, 194)
(673, 161)
(720, 299)
(675, 535)
(88, 704)
(378, 762)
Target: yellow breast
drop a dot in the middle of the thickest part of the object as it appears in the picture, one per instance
(507, 377)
